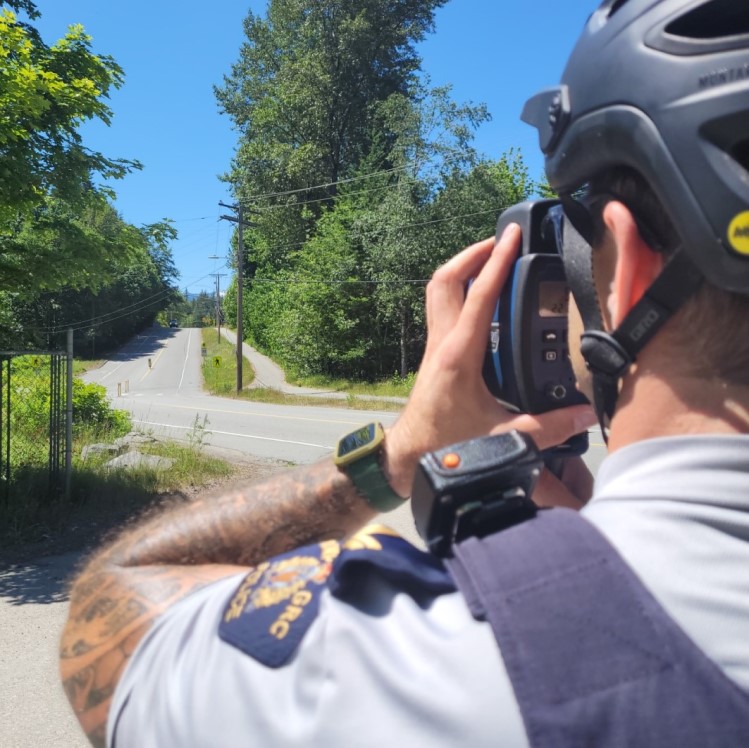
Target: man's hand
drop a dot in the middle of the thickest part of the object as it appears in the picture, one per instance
(450, 401)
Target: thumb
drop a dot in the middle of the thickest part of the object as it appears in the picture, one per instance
(555, 427)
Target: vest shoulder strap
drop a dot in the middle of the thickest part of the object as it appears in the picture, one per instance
(592, 656)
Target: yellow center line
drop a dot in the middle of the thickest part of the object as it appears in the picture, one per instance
(150, 368)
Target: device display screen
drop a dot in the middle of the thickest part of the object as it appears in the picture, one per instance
(552, 299)
(354, 441)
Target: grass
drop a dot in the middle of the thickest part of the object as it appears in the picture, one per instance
(81, 366)
(396, 386)
(265, 395)
(100, 498)
(220, 365)
(191, 466)
(220, 377)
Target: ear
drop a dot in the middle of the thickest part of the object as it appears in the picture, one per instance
(636, 265)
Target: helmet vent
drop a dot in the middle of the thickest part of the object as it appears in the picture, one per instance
(740, 153)
(715, 19)
(615, 6)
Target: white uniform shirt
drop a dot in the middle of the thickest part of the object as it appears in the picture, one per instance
(422, 671)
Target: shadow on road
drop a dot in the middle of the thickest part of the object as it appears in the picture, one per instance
(146, 343)
(39, 583)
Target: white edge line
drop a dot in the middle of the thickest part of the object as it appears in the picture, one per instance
(230, 433)
(184, 368)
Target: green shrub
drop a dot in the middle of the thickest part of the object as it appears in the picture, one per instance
(30, 410)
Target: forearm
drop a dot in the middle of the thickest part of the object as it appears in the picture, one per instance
(247, 526)
(150, 567)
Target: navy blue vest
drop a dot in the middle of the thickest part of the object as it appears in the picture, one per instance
(594, 660)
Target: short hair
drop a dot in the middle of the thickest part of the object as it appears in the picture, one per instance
(711, 330)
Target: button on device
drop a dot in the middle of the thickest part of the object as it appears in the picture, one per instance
(550, 336)
(556, 391)
(451, 460)
(551, 356)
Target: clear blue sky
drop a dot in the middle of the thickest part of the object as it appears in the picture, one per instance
(498, 52)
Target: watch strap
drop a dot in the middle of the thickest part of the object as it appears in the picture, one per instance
(371, 483)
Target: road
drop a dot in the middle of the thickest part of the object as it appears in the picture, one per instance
(157, 379)
(165, 398)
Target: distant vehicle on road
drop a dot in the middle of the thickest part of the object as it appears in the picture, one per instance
(173, 323)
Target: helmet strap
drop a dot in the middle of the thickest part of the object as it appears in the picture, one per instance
(610, 355)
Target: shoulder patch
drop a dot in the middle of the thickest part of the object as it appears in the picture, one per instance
(379, 550)
(277, 602)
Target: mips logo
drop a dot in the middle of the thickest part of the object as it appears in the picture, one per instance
(738, 233)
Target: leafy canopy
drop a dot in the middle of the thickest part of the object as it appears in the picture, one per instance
(46, 93)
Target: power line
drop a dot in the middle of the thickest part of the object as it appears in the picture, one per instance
(331, 282)
(300, 203)
(286, 193)
(145, 303)
(454, 157)
(118, 313)
(277, 247)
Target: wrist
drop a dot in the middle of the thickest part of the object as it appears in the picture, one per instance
(360, 455)
(399, 461)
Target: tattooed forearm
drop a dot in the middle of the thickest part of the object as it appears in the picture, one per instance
(100, 636)
(148, 568)
(247, 527)
(99, 608)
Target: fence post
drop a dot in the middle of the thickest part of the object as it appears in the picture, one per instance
(69, 419)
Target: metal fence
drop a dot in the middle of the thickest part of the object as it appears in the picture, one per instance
(35, 417)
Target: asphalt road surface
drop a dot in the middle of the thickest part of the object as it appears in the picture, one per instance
(165, 398)
(157, 379)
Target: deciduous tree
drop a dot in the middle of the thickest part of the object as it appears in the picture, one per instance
(46, 93)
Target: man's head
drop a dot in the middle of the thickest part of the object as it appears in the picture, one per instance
(651, 126)
(708, 337)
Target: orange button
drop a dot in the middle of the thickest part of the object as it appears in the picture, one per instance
(451, 460)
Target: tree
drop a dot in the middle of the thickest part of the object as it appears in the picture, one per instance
(105, 306)
(365, 180)
(466, 207)
(46, 92)
(323, 314)
(67, 246)
(303, 97)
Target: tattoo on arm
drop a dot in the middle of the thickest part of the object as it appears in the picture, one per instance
(150, 567)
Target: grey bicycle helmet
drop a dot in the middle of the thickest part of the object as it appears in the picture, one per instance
(662, 87)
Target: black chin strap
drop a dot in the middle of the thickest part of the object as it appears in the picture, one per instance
(609, 355)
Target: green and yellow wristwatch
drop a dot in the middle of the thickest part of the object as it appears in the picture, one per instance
(358, 455)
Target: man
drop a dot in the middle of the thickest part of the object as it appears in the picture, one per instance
(190, 630)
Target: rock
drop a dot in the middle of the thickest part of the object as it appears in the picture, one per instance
(99, 449)
(137, 459)
(132, 438)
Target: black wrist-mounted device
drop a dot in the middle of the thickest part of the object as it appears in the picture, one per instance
(475, 488)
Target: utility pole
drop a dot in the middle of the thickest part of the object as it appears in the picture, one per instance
(218, 277)
(241, 223)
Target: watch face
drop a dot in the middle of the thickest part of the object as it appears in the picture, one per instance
(359, 438)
